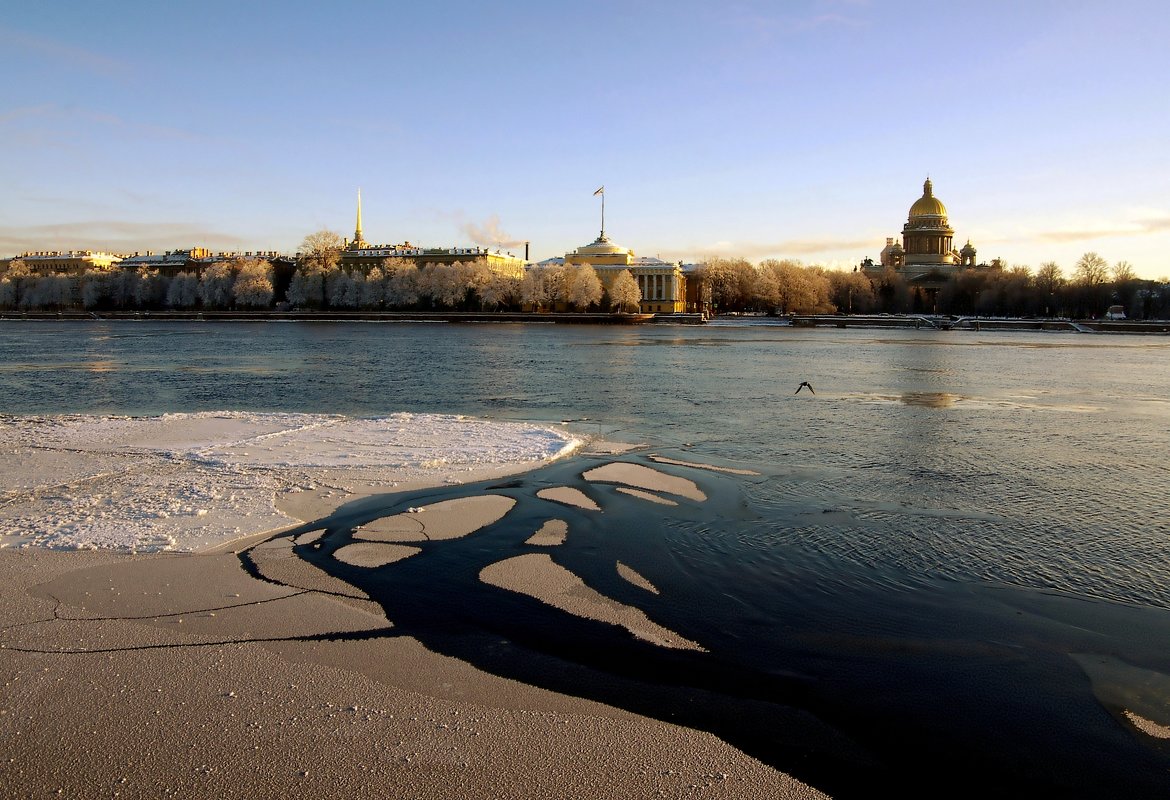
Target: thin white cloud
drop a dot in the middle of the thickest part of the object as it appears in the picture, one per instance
(53, 118)
(783, 249)
(1141, 227)
(763, 24)
(27, 112)
(20, 43)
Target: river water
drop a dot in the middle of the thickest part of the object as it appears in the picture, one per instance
(951, 574)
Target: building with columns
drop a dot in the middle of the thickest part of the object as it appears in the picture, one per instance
(662, 283)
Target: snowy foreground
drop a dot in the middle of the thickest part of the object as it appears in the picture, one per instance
(191, 481)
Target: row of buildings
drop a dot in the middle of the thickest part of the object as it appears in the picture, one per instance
(925, 258)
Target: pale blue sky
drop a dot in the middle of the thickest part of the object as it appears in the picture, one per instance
(790, 129)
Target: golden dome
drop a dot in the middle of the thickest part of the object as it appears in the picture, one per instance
(928, 205)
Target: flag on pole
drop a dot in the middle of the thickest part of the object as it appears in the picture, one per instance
(599, 191)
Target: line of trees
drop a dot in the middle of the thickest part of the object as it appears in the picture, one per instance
(727, 285)
(462, 286)
(248, 284)
(238, 283)
(782, 287)
(320, 282)
(774, 286)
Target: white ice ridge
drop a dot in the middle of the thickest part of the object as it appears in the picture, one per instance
(187, 481)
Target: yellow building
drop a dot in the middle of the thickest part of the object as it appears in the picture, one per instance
(366, 258)
(663, 284)
(359, 255)
(72, 262)
(169, 264)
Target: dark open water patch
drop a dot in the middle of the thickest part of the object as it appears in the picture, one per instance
(857, 682)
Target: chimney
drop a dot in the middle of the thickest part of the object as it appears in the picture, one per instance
(526, 251)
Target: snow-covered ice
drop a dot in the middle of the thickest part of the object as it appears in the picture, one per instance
(189, 481)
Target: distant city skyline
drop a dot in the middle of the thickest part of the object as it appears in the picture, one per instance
(796, 130)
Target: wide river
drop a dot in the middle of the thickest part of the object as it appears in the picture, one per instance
(951, 574)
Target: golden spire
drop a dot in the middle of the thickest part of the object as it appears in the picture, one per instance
(358, 241)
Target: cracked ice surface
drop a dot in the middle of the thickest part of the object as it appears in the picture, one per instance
(189, 481)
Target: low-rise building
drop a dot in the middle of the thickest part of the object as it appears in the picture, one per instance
(194, 260)
(367, 256)
(70, 262)
(359, 255)
(169, 264)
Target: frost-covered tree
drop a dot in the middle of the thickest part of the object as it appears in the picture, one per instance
(499, 290)
(402, 283)
(307, 287)
(851, 292)
(183, 291)
(253, 286)
(557, 281)
(31, 293)
(341, 290)
(215, 287)
(319, 257)
(731, 282)
(322, 250)
(94, 288)
(444, 284)
(17, 268)
(17, 276)
(120, 287)
(584, 287)
(7, 292)
(372, 289)
(624, 294)
(48, 291)
(788, 286)
(533, 292)
(150, 288)
(476, 274)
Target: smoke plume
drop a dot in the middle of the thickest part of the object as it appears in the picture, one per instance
(489, 234)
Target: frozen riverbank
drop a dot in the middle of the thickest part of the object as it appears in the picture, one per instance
(195, 481)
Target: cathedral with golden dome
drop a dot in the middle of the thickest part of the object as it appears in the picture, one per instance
(926, 255)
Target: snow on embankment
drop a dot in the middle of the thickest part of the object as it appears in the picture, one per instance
(189, 481)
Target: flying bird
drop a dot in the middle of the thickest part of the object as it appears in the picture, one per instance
(802, 385)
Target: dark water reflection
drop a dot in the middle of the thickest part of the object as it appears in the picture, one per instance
(953, 565)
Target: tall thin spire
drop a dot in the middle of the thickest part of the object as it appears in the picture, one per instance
(358, 241)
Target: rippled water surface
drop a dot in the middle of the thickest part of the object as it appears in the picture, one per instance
(954, 541)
